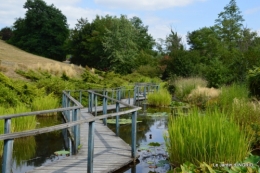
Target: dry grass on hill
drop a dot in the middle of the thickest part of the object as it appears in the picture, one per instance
(12, 58)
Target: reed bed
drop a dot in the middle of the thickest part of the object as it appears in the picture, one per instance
(159, 98)
(229, 93)
(210, 138)
(45, 103)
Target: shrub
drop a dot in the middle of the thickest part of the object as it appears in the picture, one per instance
(253, 81)
(159, 98)
(202, 95)
(217, 74)
(149, 71)
(209, 138)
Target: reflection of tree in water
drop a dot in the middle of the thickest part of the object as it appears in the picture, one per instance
(47, 143)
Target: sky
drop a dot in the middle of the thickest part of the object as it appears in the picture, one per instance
(182, 16)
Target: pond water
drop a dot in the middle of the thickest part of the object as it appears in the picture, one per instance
(35, 151)
(38, 150)
(151, 129)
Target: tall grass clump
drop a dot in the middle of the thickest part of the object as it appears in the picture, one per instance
(159, 98)
(210, 138)
(45, 102)
(229, 93)
(21, 123)
(184, 86)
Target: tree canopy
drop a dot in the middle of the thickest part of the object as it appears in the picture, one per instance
(43, 31)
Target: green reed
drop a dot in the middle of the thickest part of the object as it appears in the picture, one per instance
(209, 138)
(159, 98)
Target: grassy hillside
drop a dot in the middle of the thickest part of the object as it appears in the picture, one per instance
(12, 58)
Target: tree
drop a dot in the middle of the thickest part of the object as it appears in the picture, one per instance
(119, 42)
(43, 31)
(204, 40)
(6, 33)
(78, 42)
(229, 25)
(144, 40)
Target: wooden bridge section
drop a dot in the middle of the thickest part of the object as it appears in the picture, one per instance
(101, 150)
(110, 152)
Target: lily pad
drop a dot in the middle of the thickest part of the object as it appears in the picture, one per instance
(61, 152)
(163, 162)
(157, 114)
(121, 121)
(154, 144)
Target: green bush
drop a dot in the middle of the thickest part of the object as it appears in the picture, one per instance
(253, 81)
(210, 138)
(217, 74)
(149, 71)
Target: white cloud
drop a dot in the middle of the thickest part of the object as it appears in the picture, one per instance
(13, 9)
(252, 10)
(144, 4)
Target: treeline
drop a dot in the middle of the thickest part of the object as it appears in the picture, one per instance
(222, 53)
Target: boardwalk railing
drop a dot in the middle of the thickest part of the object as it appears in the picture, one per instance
(71, 111)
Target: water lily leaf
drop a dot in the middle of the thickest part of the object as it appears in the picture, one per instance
(154, 144)
(61, 152)
(157, 114)
(121, 121)
(159, 165)
(163, 161)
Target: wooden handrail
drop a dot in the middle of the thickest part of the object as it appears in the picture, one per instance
(39, 112)
(61, 126)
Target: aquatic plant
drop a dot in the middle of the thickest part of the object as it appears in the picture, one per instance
(159, 98)
(121, 121)
(213, 137)
(45, 102)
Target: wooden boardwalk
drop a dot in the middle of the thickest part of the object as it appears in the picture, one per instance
(110, 152)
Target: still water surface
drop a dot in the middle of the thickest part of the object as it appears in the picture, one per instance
(38, 150)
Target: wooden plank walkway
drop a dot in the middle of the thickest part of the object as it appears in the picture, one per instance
(110, 152)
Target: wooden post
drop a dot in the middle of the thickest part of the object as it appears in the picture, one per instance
(90, 146)
(145, 92)
(138, 94)
(95, 98)
(105, 107)
(117, 110)
(129, 97)
(80, 96)
(112, 96)
(135, 95)
(8, 149)
(76, 131)
(133, 141)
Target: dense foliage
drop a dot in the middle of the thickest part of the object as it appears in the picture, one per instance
(111, 43)
(43, 31)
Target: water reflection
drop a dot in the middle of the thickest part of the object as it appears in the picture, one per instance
(34, 151)
(151, 129)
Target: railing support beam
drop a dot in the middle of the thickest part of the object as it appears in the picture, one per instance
(90, 146)
(133, 141)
